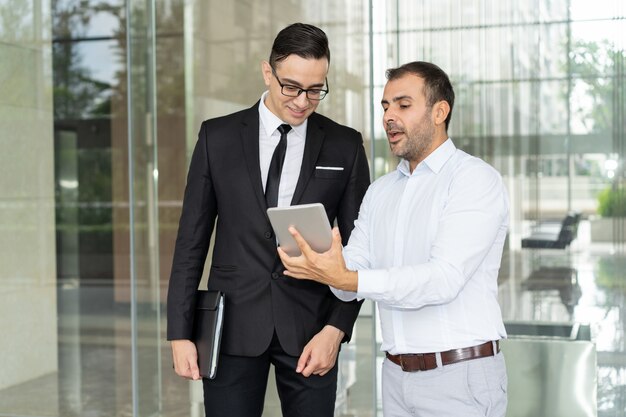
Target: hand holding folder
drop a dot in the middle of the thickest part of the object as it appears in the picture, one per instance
(208, 323)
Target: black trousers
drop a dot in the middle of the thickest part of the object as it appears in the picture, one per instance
(239, 387)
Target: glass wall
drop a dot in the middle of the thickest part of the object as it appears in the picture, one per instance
(209, 56)
(540, 96)
(100, 105)
(99, 111)
(28, 302)
(81, 329)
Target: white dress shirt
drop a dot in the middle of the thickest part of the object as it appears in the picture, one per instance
(269, 136)
(427, 246)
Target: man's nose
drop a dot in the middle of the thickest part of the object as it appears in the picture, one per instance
(301, 101)
(388, 116)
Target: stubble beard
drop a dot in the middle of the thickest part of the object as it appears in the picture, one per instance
(418, 141)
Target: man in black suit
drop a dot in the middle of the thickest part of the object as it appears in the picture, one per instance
(234, 176)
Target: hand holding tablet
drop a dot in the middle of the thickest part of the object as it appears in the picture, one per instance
(323, 261)
(311, 222)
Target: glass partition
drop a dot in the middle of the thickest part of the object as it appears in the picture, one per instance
(209, 56)
(539, 95)
(100, 105)
(86, 338)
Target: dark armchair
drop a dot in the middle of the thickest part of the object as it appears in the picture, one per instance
(554, 235)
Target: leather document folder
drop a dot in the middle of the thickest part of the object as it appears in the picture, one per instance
(208, 330)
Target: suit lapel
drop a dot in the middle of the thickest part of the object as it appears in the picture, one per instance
(312, 147)
(250, 145)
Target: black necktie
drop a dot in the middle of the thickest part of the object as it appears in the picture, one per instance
(276, 167)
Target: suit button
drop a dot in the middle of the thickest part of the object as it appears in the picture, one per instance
(275, 275)
(268, 235)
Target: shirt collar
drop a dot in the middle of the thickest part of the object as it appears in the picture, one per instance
(270, 122)
(435, 161)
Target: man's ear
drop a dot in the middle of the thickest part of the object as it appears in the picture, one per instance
(441, 109)
(266, 70)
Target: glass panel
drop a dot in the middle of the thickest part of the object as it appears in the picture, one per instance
(602, 9)
(539, 93)
(144, 278)
(28, 304)
(212, 52)
(80, 192)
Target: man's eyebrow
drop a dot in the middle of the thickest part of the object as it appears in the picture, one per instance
(297, 84)
(398, 98)
(404, 97)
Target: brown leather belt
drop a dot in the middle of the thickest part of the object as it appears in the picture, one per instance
(413, 362)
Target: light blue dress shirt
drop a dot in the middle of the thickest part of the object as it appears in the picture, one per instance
(427, 246)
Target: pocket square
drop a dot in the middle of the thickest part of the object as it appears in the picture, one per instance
(330, 168)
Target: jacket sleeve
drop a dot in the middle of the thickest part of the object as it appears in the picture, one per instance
(344, 314)
(192, 243)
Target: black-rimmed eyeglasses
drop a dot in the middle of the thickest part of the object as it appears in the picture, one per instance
(314, 94)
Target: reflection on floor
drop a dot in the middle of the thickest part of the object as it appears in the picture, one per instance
(585, 284)
(95, 374)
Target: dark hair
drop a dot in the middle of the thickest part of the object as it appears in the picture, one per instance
(306, 41)
(437, 86)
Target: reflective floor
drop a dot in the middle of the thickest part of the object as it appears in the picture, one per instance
(585, 284)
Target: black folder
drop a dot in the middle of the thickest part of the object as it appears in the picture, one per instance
(208, 323)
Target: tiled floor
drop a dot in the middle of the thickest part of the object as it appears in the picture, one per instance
(95, 367)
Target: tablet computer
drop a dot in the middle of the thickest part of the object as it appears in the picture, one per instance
(309, 219)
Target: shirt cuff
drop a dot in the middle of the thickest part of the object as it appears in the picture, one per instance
(371, 284)
(343, 295)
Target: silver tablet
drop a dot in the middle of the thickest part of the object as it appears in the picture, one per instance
(309, 219)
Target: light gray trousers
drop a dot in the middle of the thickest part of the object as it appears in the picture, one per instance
(472, 388)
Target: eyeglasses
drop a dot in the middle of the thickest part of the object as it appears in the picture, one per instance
(313, 94)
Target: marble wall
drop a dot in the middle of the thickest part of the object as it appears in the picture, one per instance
(27, 231)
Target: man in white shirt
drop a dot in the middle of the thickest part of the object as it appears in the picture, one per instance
(426, 247)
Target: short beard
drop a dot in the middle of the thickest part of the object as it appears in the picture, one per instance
(419, 140)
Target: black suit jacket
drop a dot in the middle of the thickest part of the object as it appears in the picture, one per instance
(224, 183)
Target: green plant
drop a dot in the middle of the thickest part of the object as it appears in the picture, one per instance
(609, 272)
(612, 202)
